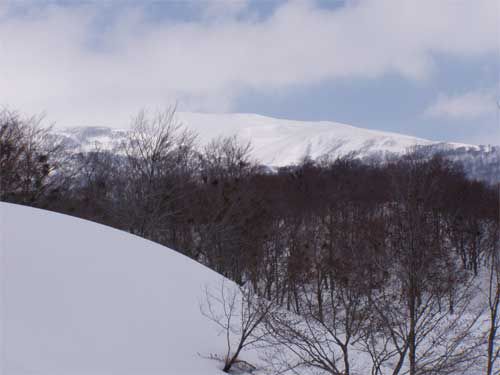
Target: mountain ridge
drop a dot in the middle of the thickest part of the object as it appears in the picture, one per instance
(275, 142)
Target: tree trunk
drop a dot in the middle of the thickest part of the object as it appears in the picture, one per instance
(412, 342)
(493, 331)
(229, 363)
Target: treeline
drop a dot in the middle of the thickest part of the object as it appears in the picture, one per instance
(481, 164)
(381, 256)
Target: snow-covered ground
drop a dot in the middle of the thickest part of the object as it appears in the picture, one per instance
(276, 142)
(79, 298)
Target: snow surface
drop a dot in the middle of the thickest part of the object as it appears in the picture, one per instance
(79, 298)
(275, 142)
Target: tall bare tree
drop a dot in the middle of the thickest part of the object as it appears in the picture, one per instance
(493, 296)
(28, 158)
(155, 175)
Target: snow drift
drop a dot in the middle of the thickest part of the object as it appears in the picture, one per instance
(82, 298)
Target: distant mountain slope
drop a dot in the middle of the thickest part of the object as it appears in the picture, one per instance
(276, 142)
(82, 298)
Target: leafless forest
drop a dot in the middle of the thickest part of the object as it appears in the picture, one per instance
(398, 259)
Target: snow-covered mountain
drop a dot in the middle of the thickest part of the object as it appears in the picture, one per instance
(275, 142)
(79, 298)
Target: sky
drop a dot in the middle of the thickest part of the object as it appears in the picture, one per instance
(425, 68)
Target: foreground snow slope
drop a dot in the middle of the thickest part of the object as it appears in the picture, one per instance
(82, 298)
(276, 142)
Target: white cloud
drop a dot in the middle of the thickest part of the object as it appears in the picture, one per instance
(55, 59)
(217, 9)
(468, 105)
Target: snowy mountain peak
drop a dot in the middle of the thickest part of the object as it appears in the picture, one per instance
(275, 142)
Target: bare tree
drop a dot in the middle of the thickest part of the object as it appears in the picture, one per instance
(239, 313)
(95, 181)
(425, 306)
(28, 158)
(226, 207)
(493, 294)
(324, 333)
(227, 157)
(445, 342)
(159, 153)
